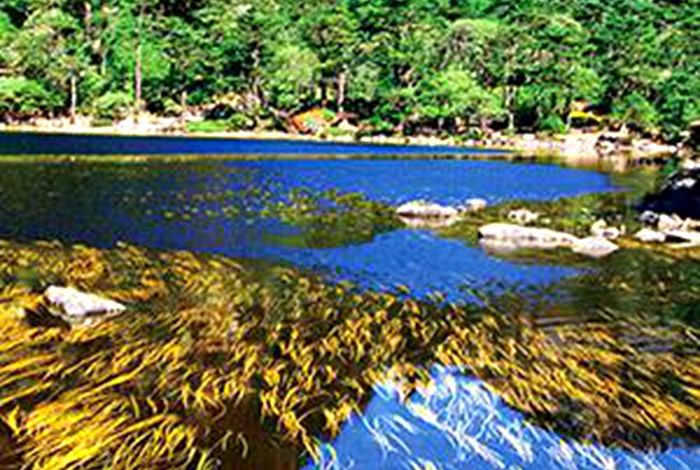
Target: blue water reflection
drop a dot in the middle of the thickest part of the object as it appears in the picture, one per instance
(458, 422)
(100, 204)
(443, 181)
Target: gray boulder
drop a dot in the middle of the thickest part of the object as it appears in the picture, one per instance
(526, 237)
(473, 205)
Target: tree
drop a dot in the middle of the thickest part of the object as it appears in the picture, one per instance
(50, 48)
(454, 94)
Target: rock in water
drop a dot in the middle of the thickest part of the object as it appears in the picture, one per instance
(601, 229)
(426, 210)
(669, 222)
(647, 235)
(523, 216)
(508, 237)
(526, 237)
(473, 205)
(691, 239)
(680, 196)
(79, 307)
(595, 247)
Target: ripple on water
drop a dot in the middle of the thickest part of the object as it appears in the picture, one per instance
(458, 422)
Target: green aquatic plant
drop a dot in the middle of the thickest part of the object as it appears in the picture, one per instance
(334, 219)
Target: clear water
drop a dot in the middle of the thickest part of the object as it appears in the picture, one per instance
(459, 422)
(100, 204)
(456, 423)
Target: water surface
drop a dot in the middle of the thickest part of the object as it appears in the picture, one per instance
(218, 206)
(101, 203)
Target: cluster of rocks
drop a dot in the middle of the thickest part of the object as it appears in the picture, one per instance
(600, 144)
(664, 228)
(622, 142)
(672, 215)
(504, 237)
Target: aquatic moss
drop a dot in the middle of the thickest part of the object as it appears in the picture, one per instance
(333, 219)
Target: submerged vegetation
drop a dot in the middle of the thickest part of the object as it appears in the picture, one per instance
(333, 219)
(219, 363)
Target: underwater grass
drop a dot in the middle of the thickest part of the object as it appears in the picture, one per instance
(220, 364)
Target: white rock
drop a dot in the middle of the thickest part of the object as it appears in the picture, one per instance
(669, 222)
(428, 223)
(600, 228)
(596, 247)
(509, 237)
(526, 237)
(523, 216)
(473, 205)
(78, 305)
(684, 183)
(647, 235)
(690, 164)
(423, 209)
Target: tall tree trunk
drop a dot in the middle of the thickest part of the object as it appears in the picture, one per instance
(73, 97)
(137, 83)
(138, 67)
(324, 93)
(342, 83)
(509, 101)
(183, 106)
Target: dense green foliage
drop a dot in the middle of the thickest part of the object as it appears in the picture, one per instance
(399, 65)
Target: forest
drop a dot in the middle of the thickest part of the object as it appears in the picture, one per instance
(390, 66)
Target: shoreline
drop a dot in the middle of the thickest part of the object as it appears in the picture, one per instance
(584, 147)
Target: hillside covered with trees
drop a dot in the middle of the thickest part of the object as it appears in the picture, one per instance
(394, 66)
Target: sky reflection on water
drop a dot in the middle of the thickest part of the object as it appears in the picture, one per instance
(458, 422)
(98, 204)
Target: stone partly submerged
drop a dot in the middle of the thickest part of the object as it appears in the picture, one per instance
(80, 308)
(523, 216)
(601, 229)
(426, 210)
(685, 238)
(526, 236)
(501, 237)
(424, 214)
(647, 235)
(594, 247)
(473, 205)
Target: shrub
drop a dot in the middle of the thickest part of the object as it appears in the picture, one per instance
(240, 122)
(113, 105)
(21, 97)
(553, 124)
(207, 126)
(636, 110)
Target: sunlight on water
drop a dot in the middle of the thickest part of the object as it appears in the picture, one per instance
(459, 422)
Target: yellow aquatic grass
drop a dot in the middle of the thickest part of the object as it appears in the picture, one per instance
(213, 358)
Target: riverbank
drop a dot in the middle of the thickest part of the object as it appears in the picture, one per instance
(576, 147)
